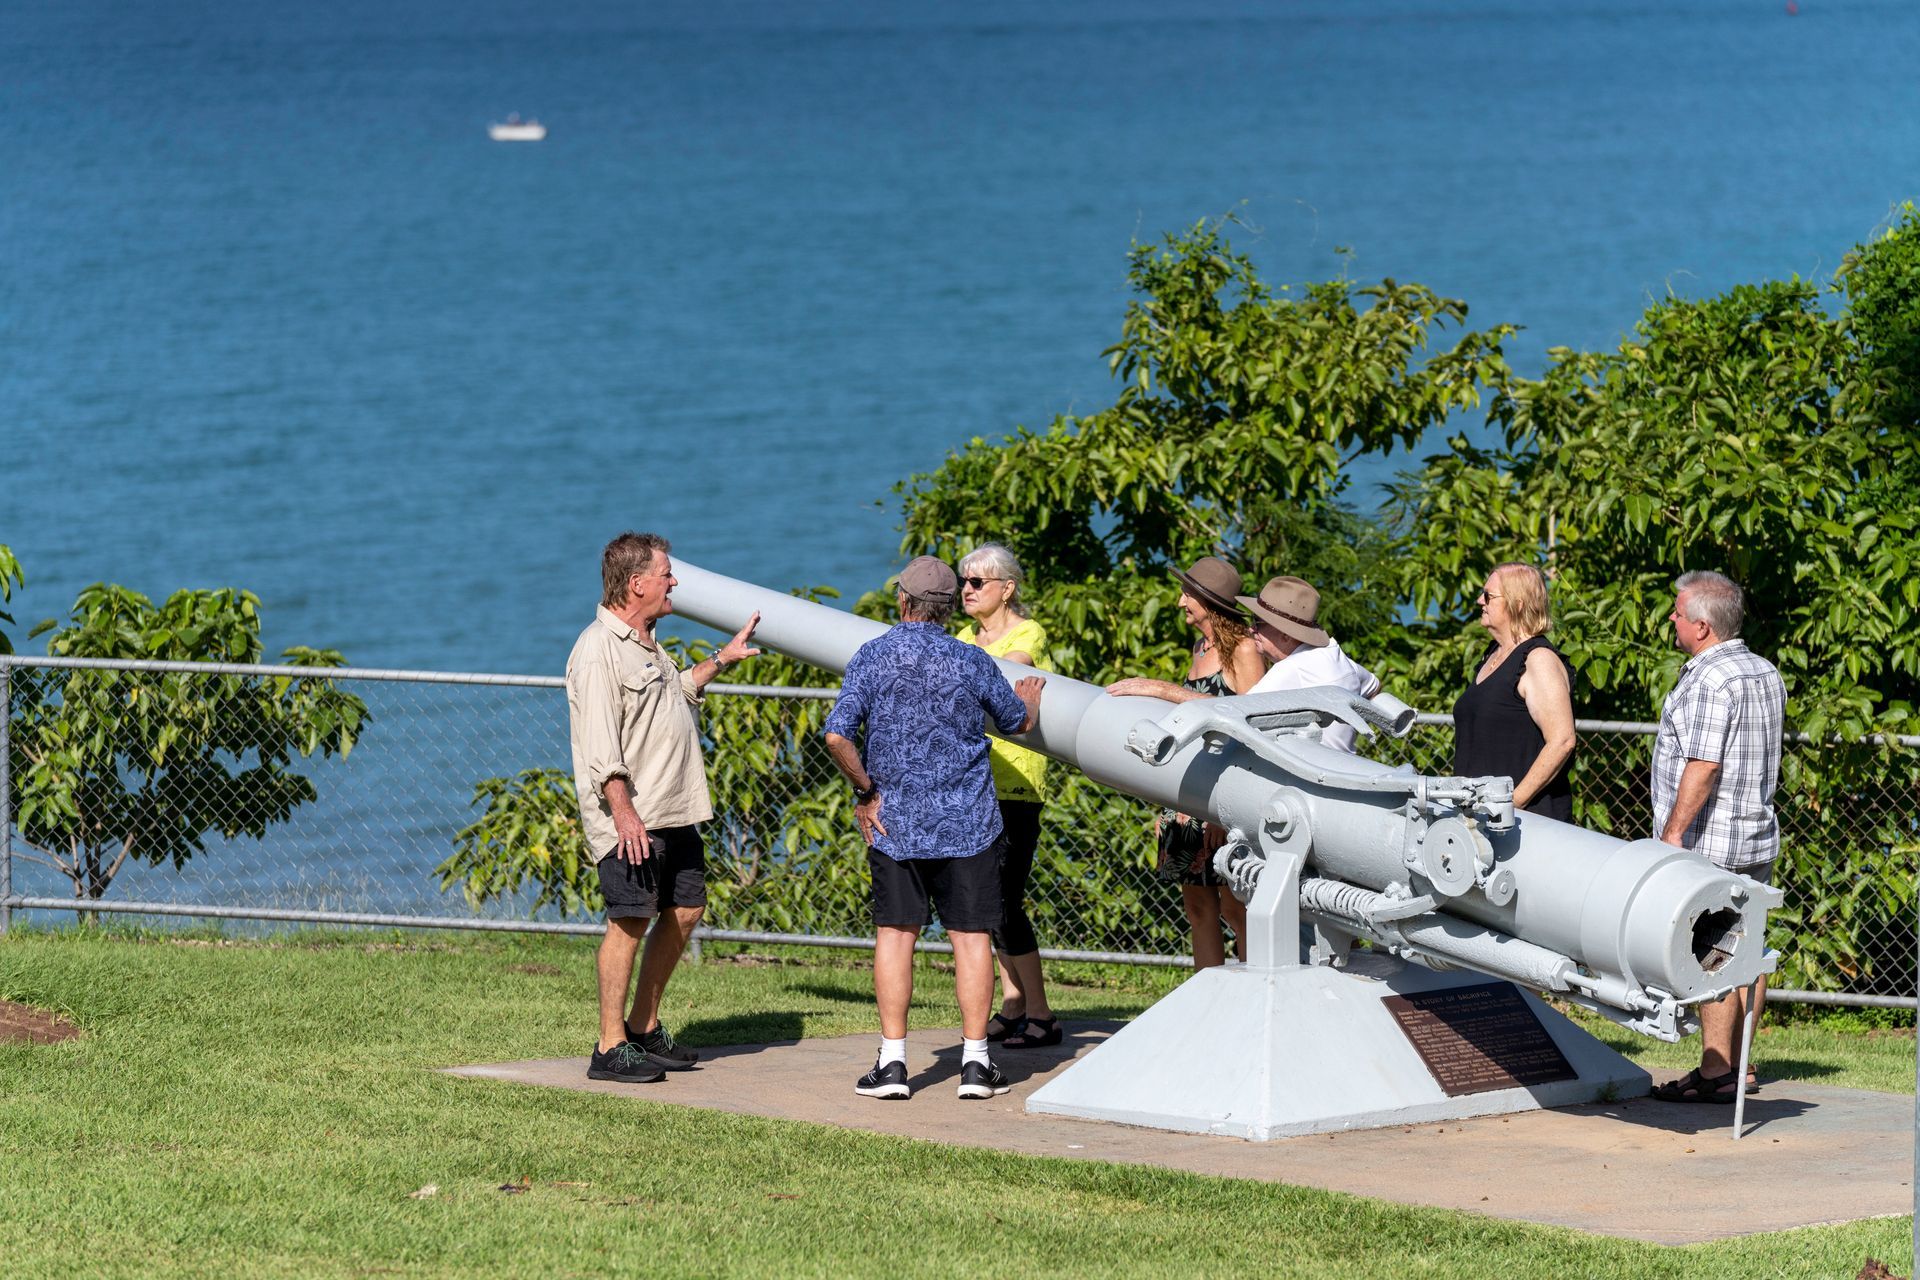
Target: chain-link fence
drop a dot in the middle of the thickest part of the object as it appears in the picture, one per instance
(350, 796)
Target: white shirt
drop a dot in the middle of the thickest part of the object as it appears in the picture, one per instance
(1307, 667)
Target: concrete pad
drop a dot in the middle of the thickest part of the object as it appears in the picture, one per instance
(1640, 1170)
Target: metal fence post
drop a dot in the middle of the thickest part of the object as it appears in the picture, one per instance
(6, 793)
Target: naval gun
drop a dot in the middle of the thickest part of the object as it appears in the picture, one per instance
(1443, 877)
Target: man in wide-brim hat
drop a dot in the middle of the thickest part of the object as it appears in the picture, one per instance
(1286, 628)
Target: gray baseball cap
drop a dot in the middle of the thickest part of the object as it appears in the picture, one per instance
(930, 579)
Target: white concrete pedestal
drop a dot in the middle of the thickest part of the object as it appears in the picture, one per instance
(1276, 1053)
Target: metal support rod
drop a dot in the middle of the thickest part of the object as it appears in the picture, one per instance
(378, 674)
(6, 794)
(1746, 1049)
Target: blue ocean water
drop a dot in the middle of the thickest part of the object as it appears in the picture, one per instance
(275, 313)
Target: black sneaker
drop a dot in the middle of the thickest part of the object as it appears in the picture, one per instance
(625, 1063)
(659, 1045)
(889, 1081)
(982, 1080)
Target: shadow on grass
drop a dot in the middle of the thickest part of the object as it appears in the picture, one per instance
(1792, 1068)
(745, 1032)
(839, 995)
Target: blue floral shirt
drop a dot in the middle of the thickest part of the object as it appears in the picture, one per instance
(924, 699)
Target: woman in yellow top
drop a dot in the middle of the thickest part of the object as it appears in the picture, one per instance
(990, 580)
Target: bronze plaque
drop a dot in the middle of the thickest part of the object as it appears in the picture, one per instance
(1476, 1039)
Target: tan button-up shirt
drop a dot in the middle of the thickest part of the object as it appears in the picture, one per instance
(632, 714)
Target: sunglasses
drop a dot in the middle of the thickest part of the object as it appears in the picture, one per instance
(1485, 596)
(977, 583)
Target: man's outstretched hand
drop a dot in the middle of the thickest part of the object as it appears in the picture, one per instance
(740, 648)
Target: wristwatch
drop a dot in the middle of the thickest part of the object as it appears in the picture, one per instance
(861, 797)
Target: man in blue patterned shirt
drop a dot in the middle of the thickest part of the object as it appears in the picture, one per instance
(924, 799)
(1716, 763)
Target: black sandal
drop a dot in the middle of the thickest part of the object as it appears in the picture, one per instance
(1694, 1087)
(1008, 1026)
(1029, 1037)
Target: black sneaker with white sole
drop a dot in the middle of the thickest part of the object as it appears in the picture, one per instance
(884, 1081)
(626, 1063)
(660, 1045)
(982, 1080)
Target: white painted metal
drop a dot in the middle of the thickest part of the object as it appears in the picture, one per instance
(1275, 1053)
(1740, 1069)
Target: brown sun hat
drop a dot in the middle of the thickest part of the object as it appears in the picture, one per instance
(1214, 583)
(1290, 605)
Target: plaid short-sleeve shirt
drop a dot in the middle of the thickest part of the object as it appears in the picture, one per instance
(1729, 708)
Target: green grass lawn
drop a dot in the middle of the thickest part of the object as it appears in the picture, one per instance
(267, 1107)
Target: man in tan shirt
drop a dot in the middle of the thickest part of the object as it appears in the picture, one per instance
(643, 791)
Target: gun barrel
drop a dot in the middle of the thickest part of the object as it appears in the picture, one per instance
(1645, 915)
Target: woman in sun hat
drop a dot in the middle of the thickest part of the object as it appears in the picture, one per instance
(1224, 662)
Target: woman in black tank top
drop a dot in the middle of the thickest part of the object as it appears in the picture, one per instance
(1516, 717)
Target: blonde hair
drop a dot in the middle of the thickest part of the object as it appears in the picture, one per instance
(990, 559)
(1525, 590)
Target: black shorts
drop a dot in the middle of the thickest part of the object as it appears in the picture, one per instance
(964, 891)
(673, 875)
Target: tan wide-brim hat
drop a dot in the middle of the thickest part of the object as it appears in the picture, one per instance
(1214, 583)
(1290, 605)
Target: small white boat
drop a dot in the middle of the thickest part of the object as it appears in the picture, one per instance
(514, 129)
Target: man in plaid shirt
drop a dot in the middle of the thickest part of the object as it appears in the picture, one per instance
(1716, 763)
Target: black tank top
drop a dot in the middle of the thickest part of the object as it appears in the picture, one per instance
(1493, 735)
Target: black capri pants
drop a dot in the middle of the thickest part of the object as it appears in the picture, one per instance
(1020, 824)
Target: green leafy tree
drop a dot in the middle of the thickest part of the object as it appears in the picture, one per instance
(1881, 280)
(526, 841)
(1239, 407)
(1734, 433)
(116, 765)
(10, 577)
